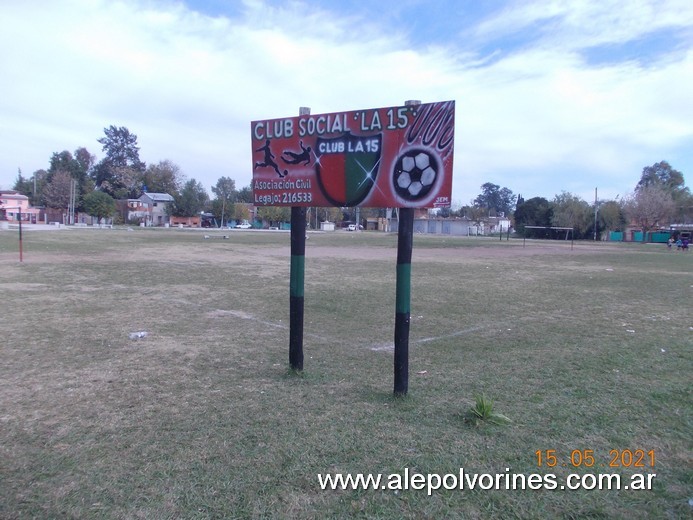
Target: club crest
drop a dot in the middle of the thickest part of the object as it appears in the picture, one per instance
(347, 166)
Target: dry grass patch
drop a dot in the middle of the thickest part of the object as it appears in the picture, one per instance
(203, 419)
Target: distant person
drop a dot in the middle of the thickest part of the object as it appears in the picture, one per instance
(679, 244)
(670, 242)
(684, 245)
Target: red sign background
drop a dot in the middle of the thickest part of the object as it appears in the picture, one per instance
(384, 157)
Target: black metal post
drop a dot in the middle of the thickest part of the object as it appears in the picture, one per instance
(296, 284)
(405, 236)
(21, 247)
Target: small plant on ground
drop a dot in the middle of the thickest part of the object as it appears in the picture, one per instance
(483, 411)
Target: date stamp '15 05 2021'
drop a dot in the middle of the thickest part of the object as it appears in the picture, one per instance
(616, 458)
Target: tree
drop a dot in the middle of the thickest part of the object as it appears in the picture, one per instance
(571, 211)
(241, 212)
(120, 173)
(190, 201)
(274, 214)
(650, 207)
(476, 214)
(327, 214)
(38, 184)
(245, 195)
(611, 216)
(684, 208)
(23, 185)
(495, 199)
(533, 212)
(121, 148)
(99, 204)
(163, 177)
(65, 161)
(78, 166)
(56, 194)
(225, 190)
(85, 162)
(663, 175)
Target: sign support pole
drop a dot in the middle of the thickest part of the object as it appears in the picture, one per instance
(19, 215)
(405, 233)
(296, 282)
(20, 236)
(405, 239)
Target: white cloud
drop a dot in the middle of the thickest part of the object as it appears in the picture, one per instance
(536, 118)
(586, 23)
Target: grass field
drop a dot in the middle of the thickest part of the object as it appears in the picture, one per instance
(589, 349)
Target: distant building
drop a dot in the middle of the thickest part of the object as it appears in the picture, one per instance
(194, 222)
(150, 209)
(13, 204)
(458, 226)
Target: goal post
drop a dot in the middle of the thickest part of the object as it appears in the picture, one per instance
(568, 232)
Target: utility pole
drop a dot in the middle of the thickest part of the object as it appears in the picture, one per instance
(595, 214)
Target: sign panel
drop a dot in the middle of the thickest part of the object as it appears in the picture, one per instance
(383, 158)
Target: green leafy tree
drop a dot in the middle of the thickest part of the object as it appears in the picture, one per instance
(495, 199)
(163, 177)
(536, 211)
(23, 185)
(663, 175)
(245, 194)
(120, 173)
(99, 204)
(225, 191)
(241, 212)
(684, 208)
(275, 215)
(611, 216)
(38, 184)
(571, 211)
(121, 148)
(191, 200)
(326, 214)
(78, 165)
(85, 162)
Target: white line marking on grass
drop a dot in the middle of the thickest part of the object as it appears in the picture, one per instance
(247, 316)
(381, 347)
(389, 347)
(219, 313)
(451, 335)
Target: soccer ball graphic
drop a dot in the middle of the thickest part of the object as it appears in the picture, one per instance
(415, 174)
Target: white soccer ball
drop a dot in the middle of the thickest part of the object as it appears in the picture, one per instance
(415, 174)
(404, 180)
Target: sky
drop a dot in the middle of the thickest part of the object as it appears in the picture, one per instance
(551, 96)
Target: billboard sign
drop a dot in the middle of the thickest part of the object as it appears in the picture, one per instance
(383, 158)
